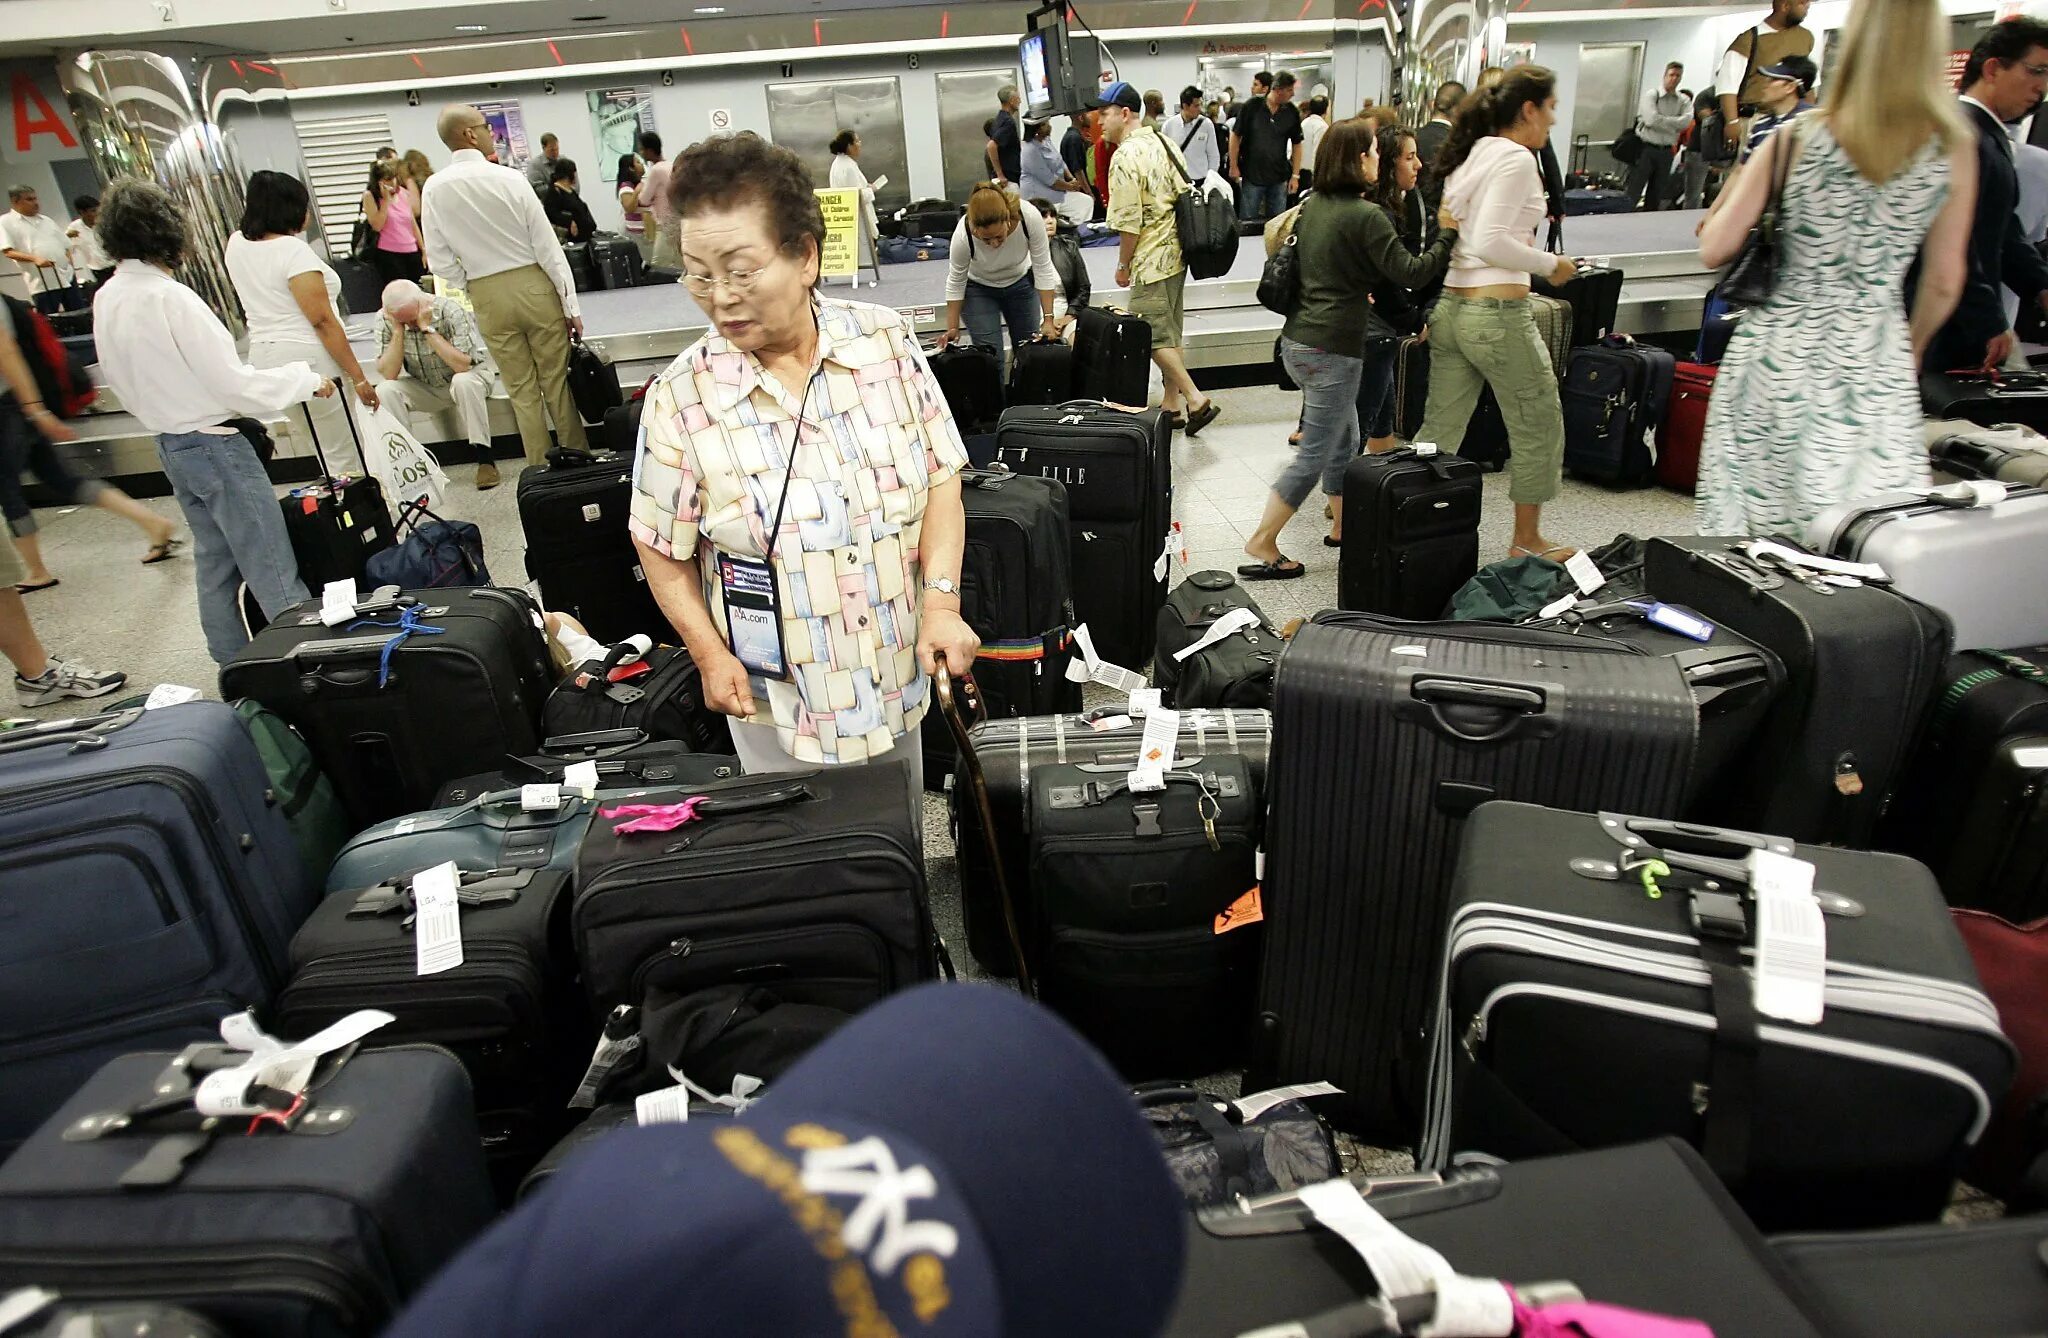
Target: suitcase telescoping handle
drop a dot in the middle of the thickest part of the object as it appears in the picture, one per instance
(954, 697)
(593, 745)
(1509, 710)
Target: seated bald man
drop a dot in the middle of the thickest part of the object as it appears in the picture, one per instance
(487, 234)
(430, 357)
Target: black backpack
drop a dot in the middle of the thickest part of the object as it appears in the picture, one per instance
(1206, 220)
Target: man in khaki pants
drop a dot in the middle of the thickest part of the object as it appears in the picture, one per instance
(487, 233)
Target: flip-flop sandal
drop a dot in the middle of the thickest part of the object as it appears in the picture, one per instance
(1516, 550)
(162, 552)
(39, 585)
(1272, 571)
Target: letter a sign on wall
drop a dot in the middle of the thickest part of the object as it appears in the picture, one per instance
(34, 116)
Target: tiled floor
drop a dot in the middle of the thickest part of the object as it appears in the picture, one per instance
(111, 612)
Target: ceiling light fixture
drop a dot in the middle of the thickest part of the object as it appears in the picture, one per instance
(472, 27)
(710, 9)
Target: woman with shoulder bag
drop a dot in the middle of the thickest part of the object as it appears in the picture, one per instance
(1483, 332)
(1000, 272)
(1404, 311)
(1345, 246)
(1818, 398)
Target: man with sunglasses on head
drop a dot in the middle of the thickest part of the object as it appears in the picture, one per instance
(486, 233)
(2003, 81)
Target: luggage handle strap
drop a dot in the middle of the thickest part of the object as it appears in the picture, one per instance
(83, 734)
(1691, 845)
(595, 745)
(1524, 704)
(1727, 1099)
(1233, 1151)
(958, 699)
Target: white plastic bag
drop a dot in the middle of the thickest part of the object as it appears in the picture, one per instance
(407, 471)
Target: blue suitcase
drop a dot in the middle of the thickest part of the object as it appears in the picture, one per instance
(1614, 398)
(149, 886)
(490, 831)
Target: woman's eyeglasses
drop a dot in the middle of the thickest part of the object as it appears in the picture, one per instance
(739, 281)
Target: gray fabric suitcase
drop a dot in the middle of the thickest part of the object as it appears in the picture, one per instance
(1982, 565)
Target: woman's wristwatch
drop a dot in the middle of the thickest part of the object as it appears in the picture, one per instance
(945, 585)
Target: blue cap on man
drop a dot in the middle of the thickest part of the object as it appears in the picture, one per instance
(1121, 94)
(953, 1161)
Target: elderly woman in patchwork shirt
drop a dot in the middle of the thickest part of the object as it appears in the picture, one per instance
(796, 499)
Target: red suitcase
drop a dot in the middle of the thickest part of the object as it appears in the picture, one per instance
(1685, 422)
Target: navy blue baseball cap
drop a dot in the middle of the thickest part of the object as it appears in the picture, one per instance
(954, 1161)
(1121, 94)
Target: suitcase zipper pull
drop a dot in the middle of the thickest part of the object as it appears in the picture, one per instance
(1210, 809)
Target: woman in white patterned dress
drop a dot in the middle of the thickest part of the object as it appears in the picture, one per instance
(1818, 399)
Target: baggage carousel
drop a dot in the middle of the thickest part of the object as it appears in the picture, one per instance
(641, 329)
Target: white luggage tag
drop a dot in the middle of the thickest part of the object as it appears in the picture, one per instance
(1862, 571)
(1258, 1103)
(1156, 748)
(274, 1064)
(1091, 667)
(1404, 1267)
(1791, 939)
(437, 915)
(580, 778)
(1230, 624)
(338, 602)
(1970, 493)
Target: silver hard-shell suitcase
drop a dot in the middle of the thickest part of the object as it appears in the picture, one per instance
(1976, 551)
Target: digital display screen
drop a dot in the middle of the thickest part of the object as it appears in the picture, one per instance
(1031, 54)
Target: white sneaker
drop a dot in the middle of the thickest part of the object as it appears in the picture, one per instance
(66, 679)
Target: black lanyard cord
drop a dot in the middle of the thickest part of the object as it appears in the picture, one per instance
(789, 474)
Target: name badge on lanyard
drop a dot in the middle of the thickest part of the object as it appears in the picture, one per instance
(753, 605)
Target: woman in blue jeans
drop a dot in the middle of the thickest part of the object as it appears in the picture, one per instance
(1000, 272)
(1345, 246)
(175, 368)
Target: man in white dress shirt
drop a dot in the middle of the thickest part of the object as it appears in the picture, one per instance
(36, 242)
(487, 234)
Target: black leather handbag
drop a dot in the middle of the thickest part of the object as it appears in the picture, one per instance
(1280, 282)
(1754, 273)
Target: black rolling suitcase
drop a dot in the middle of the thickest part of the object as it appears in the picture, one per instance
(1861, 665)
(1485, 442)
(1594, 296)
(335, 525)
(2016, 397)
(509, 1011)
(1012, 750)
(1016, 592)
(319, 1224)
(581, 272)
(1411, 532)
(1579, 1012)
(1583, 1219)
(1385, 734)
(1411, 387)
(626, 759)
(573, 512)
(659, 694)
(408, 695)
(1234, 671)
(1979, 1280)
(1124, 895)
(810, 881)
(1970, 802)
(1614, 398)
(1041, 372)
(615, 261)
(1112, 357)
(362, 287)
(592, 383)
(972, 378)
(148, 888)
(1118, 471)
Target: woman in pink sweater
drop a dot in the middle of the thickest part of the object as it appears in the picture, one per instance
(1482, 332)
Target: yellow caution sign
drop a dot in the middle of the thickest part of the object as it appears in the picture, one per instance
(841, 258)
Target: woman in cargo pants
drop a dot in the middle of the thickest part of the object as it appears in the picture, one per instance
(1483, 332)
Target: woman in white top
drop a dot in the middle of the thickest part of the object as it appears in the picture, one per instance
(631, 174)
(847, 175)
(999, 256)
(288, 293)
(174, 366)
(1483, 333)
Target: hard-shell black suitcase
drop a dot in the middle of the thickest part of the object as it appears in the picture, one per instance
(1121, 914)
(1233, 671)
(659, 693)
(508, 1011)
(317, 1224)
(1979, 1280)
(1017, 593)
(1971, 803)
(1579, 1219)
(573, 512)
(1112, 356)
(1411, 532)
(1579, 1012)
(811, 881)
(1118, 472)
(1041, 372)
(972, 378)
(615, 261)
(1385, 735)
(581, 272)
(407, 696)
(149, 885)
(1861, 665)
(1012, 750)
(2014, 398)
